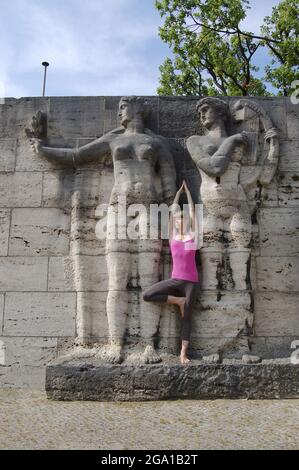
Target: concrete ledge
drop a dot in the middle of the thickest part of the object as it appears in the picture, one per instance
(88, 380)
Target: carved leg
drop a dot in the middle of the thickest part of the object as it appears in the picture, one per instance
(240, 254)
(119, 270)
(148, 268)
(239, 259)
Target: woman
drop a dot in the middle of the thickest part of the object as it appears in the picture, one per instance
(181, 288)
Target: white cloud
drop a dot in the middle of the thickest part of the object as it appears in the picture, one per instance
(93, 46)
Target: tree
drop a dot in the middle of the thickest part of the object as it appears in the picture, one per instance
(213, 55)
(283, 25)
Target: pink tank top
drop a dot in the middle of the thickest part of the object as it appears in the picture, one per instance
(183, 260)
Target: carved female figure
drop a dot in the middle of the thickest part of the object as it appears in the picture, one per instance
(140, 159)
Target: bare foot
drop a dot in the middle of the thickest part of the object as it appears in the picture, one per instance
(184, 359)
(181, 304)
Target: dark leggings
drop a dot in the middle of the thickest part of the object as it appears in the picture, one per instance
(177, 288)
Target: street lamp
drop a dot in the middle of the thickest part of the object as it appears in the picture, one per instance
(45, 64)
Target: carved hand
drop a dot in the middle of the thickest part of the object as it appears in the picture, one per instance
(241, 138)
(271, 133)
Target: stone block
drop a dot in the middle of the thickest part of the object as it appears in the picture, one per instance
(76, 116)
(224, 316)
(57, 188)
(279, 235)
(1, 312)
(292, 118)
(16, 114)
(91, 380)
(23, 273)
(272, 347)
(90, 273)
(177, 117)
(288, 189)
(276, 109)
(58, 278)
(94, 324)
(28, 160)
(288, 153)
(278, 273)
(276, 314)
(39, 314)
(85, 238)
(111, 120)
(21, 189)
(30, 377)
(4, 231)
(32, 352)
(39, 232)
(7, 154)
(81, 189)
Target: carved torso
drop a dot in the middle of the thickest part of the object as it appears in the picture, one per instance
(134, 158)
(222, 195)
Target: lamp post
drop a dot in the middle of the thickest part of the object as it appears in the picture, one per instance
(45, 64)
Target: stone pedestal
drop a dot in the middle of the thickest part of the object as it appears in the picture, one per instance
(89, 379)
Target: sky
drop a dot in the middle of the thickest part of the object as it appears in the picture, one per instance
(94, 47)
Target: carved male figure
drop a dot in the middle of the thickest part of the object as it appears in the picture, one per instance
(218, 157)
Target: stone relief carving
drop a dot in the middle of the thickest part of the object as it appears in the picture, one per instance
(234, 171)
(144, 173)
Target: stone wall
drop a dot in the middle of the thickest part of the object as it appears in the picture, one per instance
(47, 213)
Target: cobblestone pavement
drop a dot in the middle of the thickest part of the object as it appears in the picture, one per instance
(30, 421)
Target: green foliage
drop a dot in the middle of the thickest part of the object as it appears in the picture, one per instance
(283, 25)
(212, 55)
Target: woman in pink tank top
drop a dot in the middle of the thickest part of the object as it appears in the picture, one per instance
(181, 288)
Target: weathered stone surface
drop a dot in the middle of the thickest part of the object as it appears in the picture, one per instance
(27, 160)
(7, 154)
(23, 273)
(76, 116)
(16, 114)
(289, 150)
(90, 273)
(276, 314)
(268, 347)
(278, 273)
(1, 312)
(24, 361)
(277, 110)
(89, 380)
(111, 108)
(70, 199)
(185, 122)
(21, 189)
(288, 189)
(93, 323)
(58, 278)
(4, 231)
(292, 118)
(279, 235)
(57, 188)
(225, 318)
(39, 314)
(39, 232)
(30, 352)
